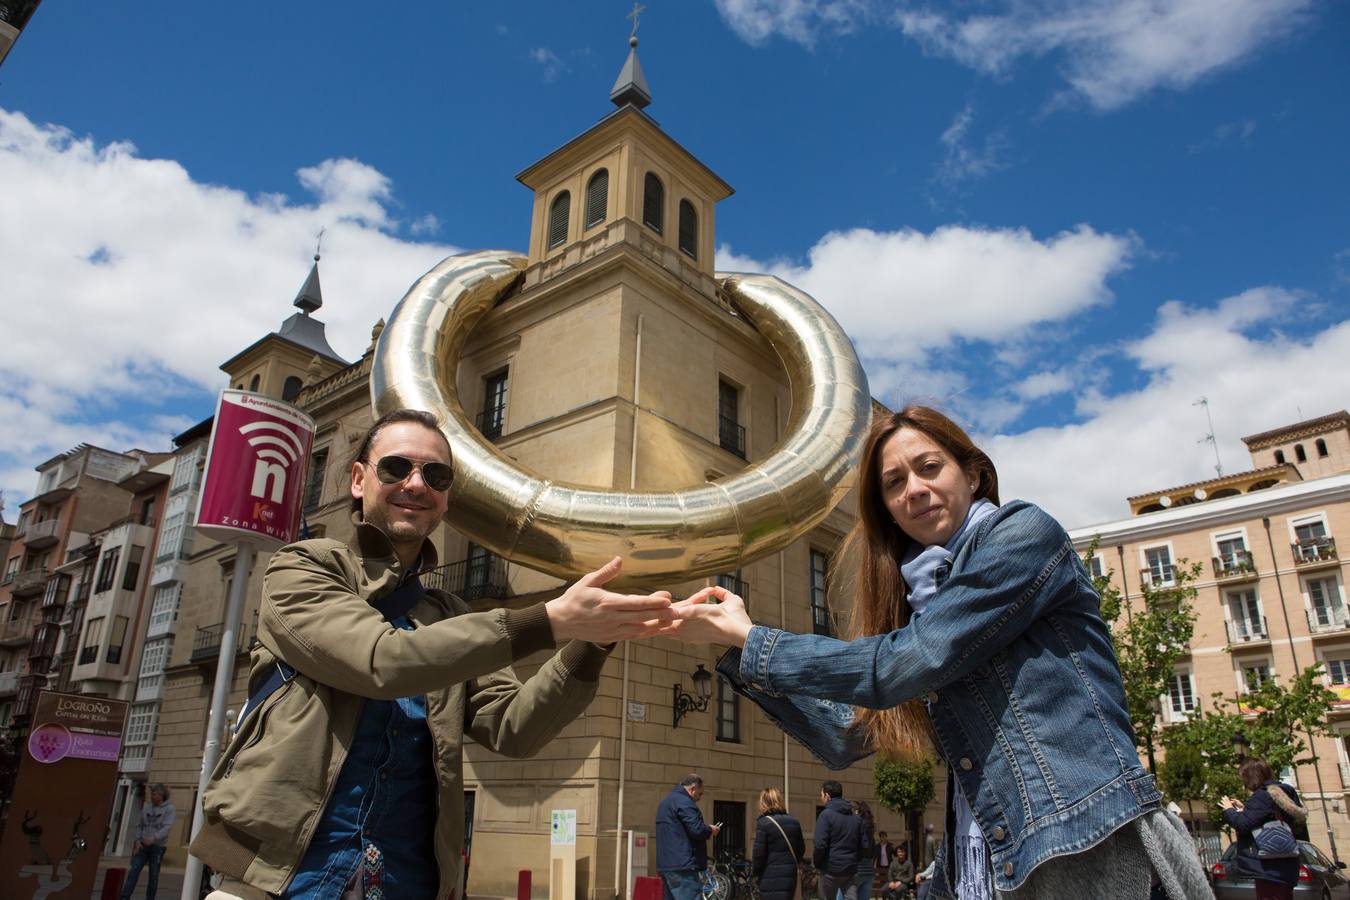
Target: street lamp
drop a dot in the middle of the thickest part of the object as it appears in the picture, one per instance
(1241, 745)
(685, 703)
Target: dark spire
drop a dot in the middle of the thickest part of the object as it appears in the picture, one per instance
(310, 297)
(631, 86)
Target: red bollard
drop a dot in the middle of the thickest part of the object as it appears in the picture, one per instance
(647, 887)
(523, 883)
(112, 884)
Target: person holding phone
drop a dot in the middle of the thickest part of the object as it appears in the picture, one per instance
(682, 839)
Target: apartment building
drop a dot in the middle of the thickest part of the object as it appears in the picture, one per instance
(620, 257)
(79, 494)
(1271, 600)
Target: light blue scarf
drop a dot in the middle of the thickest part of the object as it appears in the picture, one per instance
(920, 569)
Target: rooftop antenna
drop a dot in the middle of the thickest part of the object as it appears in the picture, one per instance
(1209, 438)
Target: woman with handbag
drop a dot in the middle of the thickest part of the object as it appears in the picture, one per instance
(778, 848)
(1266, 847)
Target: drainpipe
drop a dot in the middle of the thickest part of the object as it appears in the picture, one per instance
(621, 889)
(1125, 582)
(1317, 770)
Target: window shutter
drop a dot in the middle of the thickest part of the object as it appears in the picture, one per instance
(597, 197)
(688, 229)
(557, 220)
(653, 203)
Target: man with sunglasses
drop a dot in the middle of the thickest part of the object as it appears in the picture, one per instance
(344, 777)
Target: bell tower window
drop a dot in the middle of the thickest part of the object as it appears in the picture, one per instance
(654, 203)
(597, 198)
(688, 229)
(557, 219)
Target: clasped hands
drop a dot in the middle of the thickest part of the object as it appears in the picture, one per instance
(588, 612)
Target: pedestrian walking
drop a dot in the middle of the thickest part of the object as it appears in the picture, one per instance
(975, 626)
(778, 849)
(152, 832)
(867, 852)
(836, 844)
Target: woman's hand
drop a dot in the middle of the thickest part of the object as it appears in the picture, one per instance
(712, 616)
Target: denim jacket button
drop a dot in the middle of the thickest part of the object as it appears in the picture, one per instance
(966, 764)
(931, 697)
(999, 833)
(1008, 869)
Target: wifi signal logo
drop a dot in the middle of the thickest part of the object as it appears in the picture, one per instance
(277, 449)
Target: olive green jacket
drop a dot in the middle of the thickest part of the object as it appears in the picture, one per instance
(271, 785)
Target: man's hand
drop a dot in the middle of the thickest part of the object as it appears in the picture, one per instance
(715, 829)
(588, 612)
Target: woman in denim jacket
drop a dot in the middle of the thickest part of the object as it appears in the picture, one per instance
(977, 631)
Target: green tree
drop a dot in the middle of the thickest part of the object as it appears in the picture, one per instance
(1148, 644)
(906, 787)
(1276, 720)
(1181, 776)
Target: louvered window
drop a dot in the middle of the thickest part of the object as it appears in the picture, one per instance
(653, 204)
(597, 196)
(557, 220)
(688, 229)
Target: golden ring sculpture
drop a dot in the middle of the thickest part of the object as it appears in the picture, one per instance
(567, 530)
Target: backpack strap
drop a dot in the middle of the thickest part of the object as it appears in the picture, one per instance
(277, 677)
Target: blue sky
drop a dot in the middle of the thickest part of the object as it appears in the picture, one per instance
(1064, 220)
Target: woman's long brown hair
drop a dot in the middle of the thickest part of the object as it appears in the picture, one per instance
(880, 595)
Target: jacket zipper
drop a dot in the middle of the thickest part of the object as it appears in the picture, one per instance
(262, 721)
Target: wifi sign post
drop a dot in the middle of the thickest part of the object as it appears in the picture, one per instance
(255, 471)
(251, 497)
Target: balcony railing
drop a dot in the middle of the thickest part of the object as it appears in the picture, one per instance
(1314, 550)
(29, 582)
(490, 422)
(1158, 576)
(43, 534)
(731, 436)
(16, 632)
(1247, 632)
(1324, 619)
(472, 579)
(206, 642)
(737, 586)
(1236, 565)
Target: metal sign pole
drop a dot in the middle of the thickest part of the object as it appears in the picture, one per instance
(215, 724)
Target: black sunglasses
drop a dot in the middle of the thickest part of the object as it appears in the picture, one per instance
(396, 469)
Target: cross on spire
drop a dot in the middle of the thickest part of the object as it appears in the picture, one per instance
(637, 11)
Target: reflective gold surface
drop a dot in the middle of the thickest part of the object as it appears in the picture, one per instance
(567, 530)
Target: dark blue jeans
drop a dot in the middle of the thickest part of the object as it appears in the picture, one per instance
(143, 856)
(681, 885)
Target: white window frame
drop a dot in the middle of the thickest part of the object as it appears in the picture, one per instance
(164, 608)
(1335, 602)
(141, 723)
(1341, 656)
(171, 536)
(1100, 560)
(1228, 603)
(1171, 562)
(1172, 713)
(1242, 665)
(1308, 519)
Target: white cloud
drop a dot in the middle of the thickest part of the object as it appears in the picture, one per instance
(549, 62)
(962, 159)
(1239, 131)
(1148, 438)
(922, 306)
(1110, 51)
(127, 281)
(904, 291)
(755, 21)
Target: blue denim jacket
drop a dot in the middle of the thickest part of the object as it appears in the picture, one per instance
(1020, 680)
